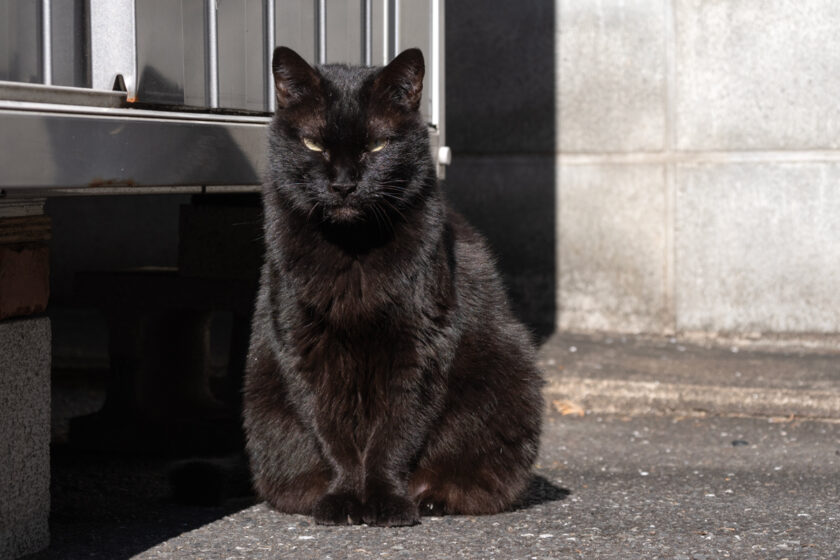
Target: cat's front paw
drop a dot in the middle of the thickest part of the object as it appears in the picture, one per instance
(390, 510)
(338, 509)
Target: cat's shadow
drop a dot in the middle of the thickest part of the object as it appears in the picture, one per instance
(540, 491)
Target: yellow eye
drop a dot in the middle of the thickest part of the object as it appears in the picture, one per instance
(314, 146)
(377, 145)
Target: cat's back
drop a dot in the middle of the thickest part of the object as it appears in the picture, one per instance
(479, 285)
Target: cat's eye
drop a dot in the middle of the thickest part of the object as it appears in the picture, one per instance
(377, 145)
(311, 145)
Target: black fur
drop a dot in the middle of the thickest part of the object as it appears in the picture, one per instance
(386, 374)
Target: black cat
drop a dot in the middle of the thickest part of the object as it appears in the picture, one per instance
(386, 374)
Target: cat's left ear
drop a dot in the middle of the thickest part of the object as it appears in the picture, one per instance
(401, 81)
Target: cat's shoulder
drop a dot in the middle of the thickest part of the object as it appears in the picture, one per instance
(469, 248)
(461, 231)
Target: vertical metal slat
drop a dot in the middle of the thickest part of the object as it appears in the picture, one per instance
(438, 117)
(367, 35)
(392, 30)
(436, 60)
(113, 44)
(212, 54)
(46, 42)
(395, 29)
(321, 9)
(386, 31)
(269, 51)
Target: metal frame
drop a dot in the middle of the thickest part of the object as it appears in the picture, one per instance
(125, 148)
(89, 139)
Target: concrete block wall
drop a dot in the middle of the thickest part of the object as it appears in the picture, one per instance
(24, 435)
(698, 177)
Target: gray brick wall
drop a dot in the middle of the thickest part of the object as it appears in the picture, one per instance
(699, 166)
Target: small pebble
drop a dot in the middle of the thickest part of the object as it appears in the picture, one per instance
(739, 443)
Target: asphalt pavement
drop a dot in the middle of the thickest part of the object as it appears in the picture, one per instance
(614, 487)
(641, 480)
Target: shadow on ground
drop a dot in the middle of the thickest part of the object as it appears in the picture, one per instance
(541, 490)
(113, 507)
(109, 506)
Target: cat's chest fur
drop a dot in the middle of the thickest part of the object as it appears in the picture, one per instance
(363, 314)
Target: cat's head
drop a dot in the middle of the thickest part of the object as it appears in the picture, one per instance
(348, 144)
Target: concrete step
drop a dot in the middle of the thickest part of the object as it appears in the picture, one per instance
(642, 375)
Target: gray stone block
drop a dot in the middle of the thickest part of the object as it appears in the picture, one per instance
(758, 247)
(612, 92)
(24, 436)
(612, 248)
(757, 75)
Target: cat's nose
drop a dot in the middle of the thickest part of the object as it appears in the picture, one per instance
(343, 189)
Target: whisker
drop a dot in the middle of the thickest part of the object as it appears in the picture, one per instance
(395, 209)
(312, 210)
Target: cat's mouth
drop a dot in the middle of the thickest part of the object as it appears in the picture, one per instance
(343, 214)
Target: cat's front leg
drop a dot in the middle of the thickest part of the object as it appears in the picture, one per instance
(342, 504)
(339, 508)
(371, 462)
(350, 501)
(388, 457)
(388, 508)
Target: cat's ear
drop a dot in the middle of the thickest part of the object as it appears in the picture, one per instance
(294, 79)
(401, 82)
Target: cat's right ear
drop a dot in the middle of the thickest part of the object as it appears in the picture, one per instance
(294, 79)
(400, 83)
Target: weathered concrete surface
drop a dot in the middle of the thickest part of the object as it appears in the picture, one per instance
(758, 247)
(755, 75)
(24, 435)
(629, 375)
(614, 487)
(611, 248)
(611, 76)
(737, 103)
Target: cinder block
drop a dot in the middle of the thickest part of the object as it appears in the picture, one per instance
(612, 248)
(754, 74)
(612, 68)
(24, 436)
(758, 247)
